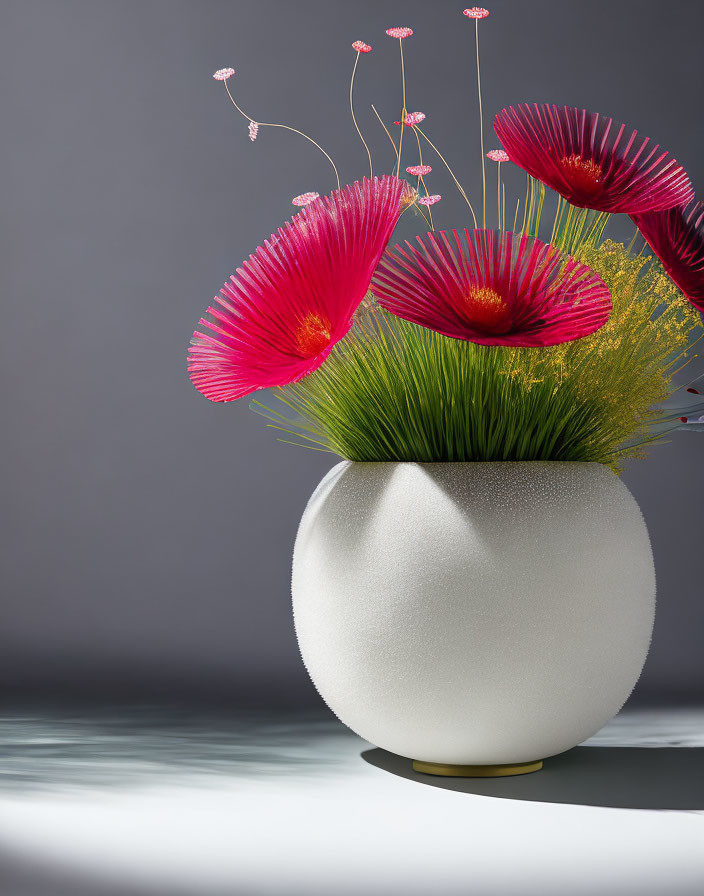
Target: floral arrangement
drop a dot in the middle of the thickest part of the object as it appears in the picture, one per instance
(485, 344)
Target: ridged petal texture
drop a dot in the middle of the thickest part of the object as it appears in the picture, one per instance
(280, 315)
(592, 161)
(492, 288)
(677, 238)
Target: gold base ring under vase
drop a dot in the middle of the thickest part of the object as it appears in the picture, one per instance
(476, 771)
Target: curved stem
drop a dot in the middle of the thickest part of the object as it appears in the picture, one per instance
(421, 179)
(432, 226)
(415, 205)
(531, 206)
(481, 122)
(420, 151)
(555, 223)
(369, 155)
(539, 210)
(391, 139)
(269, 124)
(403, 110)
(424, 215)
(452, 175)
(515, 217)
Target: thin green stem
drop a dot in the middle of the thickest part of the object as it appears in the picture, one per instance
(498, 190)
(539, 214)
(525, 205)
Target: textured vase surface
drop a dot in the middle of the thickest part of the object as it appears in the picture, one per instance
(473, 613)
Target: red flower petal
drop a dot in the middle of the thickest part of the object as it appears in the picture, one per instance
(283, 311)
(399, 32)
(677, 238)
(361, 47)
(492, 288)
(592, 161)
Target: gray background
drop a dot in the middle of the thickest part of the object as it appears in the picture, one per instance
(146, 532)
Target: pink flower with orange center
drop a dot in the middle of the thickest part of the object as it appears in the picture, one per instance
(222, 74)
(399, 32)
(591, 161)
(677, 238)
(476, 12)
(280, 315)
(493, 288)
(361, 47)
(419, 170)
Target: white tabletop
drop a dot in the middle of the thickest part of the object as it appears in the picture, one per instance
(156, 801)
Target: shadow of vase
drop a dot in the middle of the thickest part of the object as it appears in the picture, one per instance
(613, 777)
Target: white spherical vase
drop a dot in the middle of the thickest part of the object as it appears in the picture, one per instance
(475, 617)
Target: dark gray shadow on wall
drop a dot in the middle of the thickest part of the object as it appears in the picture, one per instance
(614, 777)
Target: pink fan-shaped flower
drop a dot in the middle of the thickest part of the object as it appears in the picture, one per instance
(494, 288)
(677, 238)
(361, 47)
(399, 32)
(497, 155)
(222, 74)
(590, 160)
(476, 12)
(419, 170)
(280, 315)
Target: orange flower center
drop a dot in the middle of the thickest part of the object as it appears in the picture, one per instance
(583, 174)
(313, 335)
(487, 310)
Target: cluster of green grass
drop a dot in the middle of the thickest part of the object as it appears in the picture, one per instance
(394, 391)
